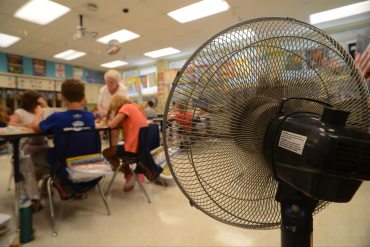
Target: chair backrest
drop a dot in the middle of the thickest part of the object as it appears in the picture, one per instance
(71, 144)
(149, 137)
(76, 143)
(148, 140)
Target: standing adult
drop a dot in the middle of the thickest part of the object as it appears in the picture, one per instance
(112, 87)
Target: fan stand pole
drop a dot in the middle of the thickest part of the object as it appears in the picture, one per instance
(296, 217)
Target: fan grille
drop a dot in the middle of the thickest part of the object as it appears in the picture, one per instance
(226, 94)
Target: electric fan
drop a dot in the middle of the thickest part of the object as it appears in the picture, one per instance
(265, 124)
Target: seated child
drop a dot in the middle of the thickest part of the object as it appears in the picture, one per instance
(72, 120)
(131, 118)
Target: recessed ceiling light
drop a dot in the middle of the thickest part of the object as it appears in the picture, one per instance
(341, 12)
(114, 64)
(7, 40)
(199, 10)
(161, 52)
(41, 11)
(239, 35)
(121, 35)
(70, 54)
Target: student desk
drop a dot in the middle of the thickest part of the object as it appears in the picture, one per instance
(14, 136)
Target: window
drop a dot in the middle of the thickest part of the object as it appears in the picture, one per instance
(177, 64)
(148, 80)
(130, 81)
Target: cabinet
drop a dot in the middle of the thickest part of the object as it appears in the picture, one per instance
(92, 93)
(7, 81)
(13, 86)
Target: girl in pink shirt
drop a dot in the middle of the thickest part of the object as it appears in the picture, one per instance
(131, 119)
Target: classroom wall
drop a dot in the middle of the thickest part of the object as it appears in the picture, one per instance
(88, 75)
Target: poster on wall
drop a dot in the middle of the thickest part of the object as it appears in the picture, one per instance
(293, 62)
(77, 72)
(152, 80)
(316, 57)
(129, 84)
(94, 76)
(170, 75)
(144, 81)
(15, 64)
(39, 67)
(60, 70)
(136, 83)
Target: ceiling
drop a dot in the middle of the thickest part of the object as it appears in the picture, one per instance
(149, 19)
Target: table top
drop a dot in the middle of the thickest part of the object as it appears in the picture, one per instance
(12, 132)
(157, 119)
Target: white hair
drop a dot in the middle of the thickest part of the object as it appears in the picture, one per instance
(113, 74)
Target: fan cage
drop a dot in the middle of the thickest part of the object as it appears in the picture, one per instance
(224, 97)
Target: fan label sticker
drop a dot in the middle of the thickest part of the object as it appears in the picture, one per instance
(292, 142)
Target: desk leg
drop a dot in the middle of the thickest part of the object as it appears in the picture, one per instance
(17, 178)
(110, 137)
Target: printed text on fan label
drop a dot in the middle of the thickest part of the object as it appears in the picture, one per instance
(292, 142)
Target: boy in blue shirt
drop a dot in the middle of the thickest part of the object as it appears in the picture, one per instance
(75, 118)
(69, 141)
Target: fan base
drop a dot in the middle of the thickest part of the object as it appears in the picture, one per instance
(296, 215)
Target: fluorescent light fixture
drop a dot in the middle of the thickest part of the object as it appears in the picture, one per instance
(70, 54)
(114, 64)
(236, 36)
(341, 12)
(7, 40)
(162, 52)
(41, 11)
(199, 10)
(121, 35)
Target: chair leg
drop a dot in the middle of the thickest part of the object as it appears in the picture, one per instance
(10, 151)
(51, 205)
(140, 185)
(10, 180)
(114, 176)
(104, 199)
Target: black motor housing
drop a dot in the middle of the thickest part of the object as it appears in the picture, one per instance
(318, 154)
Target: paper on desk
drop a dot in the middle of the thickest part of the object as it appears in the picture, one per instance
(14, 129)
(4, 219)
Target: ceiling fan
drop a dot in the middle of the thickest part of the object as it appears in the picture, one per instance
(81, 31)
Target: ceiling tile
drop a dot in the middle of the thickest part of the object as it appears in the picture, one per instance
(148, 18)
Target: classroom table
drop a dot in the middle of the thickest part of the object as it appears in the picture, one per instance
(14, 135)
(158, 121)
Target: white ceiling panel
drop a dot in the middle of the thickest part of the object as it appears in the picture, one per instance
(24, 48)
(18, 27)
(166, 6)
(148, 18)
(8, 7)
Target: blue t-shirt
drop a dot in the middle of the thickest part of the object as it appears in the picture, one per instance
(71, 120)
(69, 145)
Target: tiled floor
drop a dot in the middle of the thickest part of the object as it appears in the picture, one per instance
(170, 221)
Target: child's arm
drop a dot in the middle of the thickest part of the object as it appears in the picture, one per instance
(116, 120)
(39, 113)
(14, 120)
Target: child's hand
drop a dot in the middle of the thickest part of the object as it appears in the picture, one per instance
(39, 111)
(41, 101)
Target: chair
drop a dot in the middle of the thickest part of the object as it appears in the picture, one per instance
(8, 148)
(66, 145)
(148, 140)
